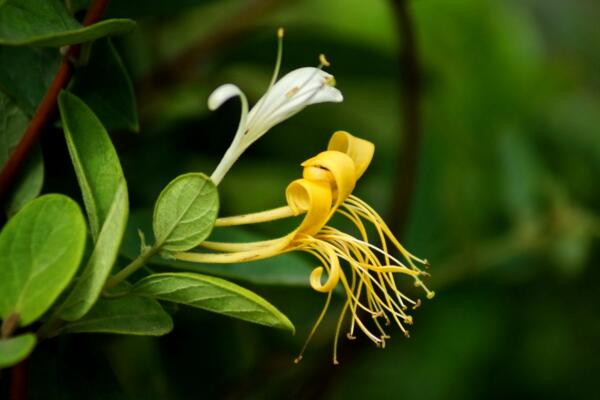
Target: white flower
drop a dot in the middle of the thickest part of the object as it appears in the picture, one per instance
(283, 99)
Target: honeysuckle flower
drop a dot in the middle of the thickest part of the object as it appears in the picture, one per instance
(283, 99)
(368, 280)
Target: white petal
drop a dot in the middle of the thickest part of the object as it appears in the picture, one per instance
(296, 90)
(223, 93)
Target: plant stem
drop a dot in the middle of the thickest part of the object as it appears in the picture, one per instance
(406, 169)
(410, 92)
(136, 264)
(47, 107)
(9, 325)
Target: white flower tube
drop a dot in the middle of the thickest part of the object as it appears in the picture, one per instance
(284, 98)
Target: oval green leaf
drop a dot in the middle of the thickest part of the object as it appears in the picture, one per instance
(40, 250)
(129, 315)
(185, 212)
(48, 23)
(105, 196)
(16, 349)
(212, 294)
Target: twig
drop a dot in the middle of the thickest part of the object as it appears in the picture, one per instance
(9, 325)
(43, 115)
(47, 107)
(410, 90)
(406, 168)
(18, 381)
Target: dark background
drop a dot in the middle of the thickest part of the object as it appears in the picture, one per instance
(495, 104)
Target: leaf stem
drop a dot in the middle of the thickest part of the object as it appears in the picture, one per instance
(47, 107)
(9, 325)
(136, 264)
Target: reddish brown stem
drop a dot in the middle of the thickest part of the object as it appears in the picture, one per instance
(47, 107)
(18, 381)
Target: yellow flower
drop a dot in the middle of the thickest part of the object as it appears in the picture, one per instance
(369, 284)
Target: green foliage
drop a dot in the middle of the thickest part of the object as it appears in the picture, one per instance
(29, 183)
(105, 194)
(212, 294)
(95, 160)
(26, 74)
(129, 315)
(505, 206)
(104, 85)
(260, 272)
(185, 212)
(12, 126)
(15, 349)
(48, 23)
(40, 250)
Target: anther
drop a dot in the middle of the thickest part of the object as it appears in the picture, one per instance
(297, 359)
(417, 304)
(430, 295)
(350, 336)
(280, 32)
(329, 81)
(324, 60)
(408, 320)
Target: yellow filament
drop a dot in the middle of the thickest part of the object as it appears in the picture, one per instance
(325, 188)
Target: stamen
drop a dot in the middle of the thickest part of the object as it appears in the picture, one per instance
(323, 61)
(314, 328)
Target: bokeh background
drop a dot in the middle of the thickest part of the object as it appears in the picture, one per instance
(486, 119)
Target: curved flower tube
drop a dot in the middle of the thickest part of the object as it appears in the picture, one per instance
(369, 281)
(283, 99)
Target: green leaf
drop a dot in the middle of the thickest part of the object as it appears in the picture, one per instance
(289, 269)
(212, 294)
(26, 74)
(13, 123)
(104, 85)
(48, 23)
(28, 186)
(89, 285)
(129, 315)
(96, 162)
(29, 183)
(16, 349)
(104, 191)
(185, 212)
(40, 250)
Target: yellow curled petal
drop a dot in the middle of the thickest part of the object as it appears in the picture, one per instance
(312, 197)
(341, 168)
(332, 279)
(359, 150)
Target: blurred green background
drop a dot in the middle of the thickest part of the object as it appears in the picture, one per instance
(506, 202)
